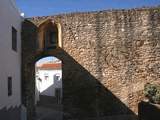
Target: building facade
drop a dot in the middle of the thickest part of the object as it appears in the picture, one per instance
(10, 60)
(49, 80)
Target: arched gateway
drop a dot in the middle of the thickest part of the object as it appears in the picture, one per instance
(83, 95)
(102, 56)
(37, 42)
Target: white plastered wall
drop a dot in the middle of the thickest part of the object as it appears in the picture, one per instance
(47, 87)
(10, 61)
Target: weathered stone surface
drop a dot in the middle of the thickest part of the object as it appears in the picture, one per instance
(107, 58)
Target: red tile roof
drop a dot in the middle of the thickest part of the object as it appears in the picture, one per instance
(53, 66)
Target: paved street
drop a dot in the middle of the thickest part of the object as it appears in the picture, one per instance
(49, 113)
(44, 113)
(49, 109)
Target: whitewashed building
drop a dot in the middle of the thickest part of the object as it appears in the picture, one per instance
(10, 60)
(49, 80)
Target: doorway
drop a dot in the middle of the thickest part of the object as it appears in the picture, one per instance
(48, 88)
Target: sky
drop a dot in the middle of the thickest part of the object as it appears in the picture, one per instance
(46, 60)
(52, 7)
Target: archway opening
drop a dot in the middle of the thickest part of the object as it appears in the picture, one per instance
(49, 35)
(48, 88)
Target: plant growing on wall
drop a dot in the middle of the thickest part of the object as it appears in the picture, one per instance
(157, 9)
(152, 92)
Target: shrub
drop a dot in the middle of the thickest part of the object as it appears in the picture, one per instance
(152, 92)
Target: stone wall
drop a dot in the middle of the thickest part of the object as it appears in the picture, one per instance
(29, 36)
(107, 58)
(148, 111)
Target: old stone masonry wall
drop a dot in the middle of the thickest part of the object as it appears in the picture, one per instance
(111, 55)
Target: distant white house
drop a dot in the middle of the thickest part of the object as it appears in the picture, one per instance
(49, 80)
(10, 60)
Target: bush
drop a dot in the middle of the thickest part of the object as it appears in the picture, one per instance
(152, 92)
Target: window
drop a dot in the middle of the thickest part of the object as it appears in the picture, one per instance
(14, 39)
(51, 36)
(9, 86)
(46, 77)
(56, 77)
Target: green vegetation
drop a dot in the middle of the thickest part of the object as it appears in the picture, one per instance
(152, 92)
(157, 9)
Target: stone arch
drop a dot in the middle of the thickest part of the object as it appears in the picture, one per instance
(54, 53)
(50, 86)
(49, 35)
(77, 81)
(28, 83)
(30, 54)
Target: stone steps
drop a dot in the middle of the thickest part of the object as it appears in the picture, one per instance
(47, 99)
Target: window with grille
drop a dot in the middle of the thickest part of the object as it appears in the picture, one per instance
(14, 39)
(9, 86)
